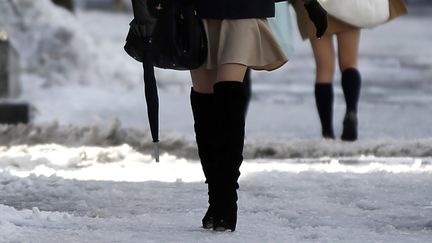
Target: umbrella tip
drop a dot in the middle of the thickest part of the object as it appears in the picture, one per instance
(156, 151)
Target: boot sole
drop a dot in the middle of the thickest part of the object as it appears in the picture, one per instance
(223, 229)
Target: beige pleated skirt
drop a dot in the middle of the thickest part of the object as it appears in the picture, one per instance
(249, 42)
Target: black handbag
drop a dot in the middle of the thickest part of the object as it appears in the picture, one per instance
(179, 40)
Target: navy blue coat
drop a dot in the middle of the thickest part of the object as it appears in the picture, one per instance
(235, 9)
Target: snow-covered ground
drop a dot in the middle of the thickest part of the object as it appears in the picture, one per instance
(83, 171)
(52, 193)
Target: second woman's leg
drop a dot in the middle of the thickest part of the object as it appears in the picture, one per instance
(325, 64)
(348, 45)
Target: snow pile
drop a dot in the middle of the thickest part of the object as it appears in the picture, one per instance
(307, 148)
(51, 43)
(114, 134)
(93, 135)
(123, 163)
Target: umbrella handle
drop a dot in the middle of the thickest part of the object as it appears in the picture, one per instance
(156, 151)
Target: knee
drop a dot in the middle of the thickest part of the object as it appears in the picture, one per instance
(324, 74)
(203, 87)
(345, 64)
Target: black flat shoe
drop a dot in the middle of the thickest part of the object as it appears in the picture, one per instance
(350, 123)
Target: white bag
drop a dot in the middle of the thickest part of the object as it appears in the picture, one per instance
(359, 13)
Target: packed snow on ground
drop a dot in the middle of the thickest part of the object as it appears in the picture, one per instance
(52, 193)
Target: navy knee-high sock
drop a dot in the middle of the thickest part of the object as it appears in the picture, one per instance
(324, 99)
(351, 84)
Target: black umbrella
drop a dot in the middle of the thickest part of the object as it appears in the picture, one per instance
(139, 46)
(152, 100)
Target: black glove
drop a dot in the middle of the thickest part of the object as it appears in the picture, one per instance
(318, 15)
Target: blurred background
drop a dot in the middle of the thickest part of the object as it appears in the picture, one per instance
(67, 68)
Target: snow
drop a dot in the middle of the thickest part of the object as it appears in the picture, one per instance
(115, 194)
(83, 171)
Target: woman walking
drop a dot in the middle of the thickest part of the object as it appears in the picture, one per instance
(239, 37)
(348, 39)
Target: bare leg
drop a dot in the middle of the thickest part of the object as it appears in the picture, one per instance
(348, 46)
(324, 58)
(231, 72)
(203, 80)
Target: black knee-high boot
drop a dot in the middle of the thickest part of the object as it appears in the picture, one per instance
(230, 102)
(351, 84)
(247, 84)
(204, 126)
(324, 99)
